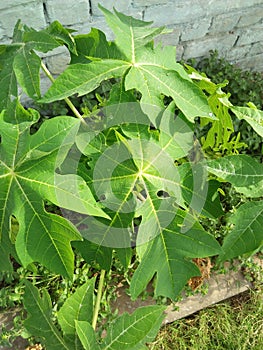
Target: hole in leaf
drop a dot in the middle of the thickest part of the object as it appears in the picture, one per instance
(102, 197)
(163, 194)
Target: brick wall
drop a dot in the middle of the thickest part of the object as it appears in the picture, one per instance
(233, 27)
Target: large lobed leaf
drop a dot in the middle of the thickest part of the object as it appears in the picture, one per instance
(28, 177)
(168, 256)
(152, 71)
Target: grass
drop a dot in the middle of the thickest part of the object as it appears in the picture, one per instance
(235, 324)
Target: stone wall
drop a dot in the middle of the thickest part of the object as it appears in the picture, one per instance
(233, 27)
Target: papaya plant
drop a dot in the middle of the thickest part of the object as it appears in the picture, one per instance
(131, 177)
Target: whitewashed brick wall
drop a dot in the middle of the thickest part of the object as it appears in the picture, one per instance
(233, 27)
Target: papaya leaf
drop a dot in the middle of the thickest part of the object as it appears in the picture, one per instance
(133, 331)
(252, 115)
(83, 78)
(94, 45)
(206, 198)
(152, 71)
(7, 75)
(19, 62)
(26, 183)
(130, 33)
(39, 321)
(129, 178)
(173, 249)
(247, 234)
(241, 171)
(86, 335)
(78, 307)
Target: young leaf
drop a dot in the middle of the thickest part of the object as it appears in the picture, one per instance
(25, 183)
(247, 234)
(168, 255)
(132, 331)
(86, 335)
(39, 321)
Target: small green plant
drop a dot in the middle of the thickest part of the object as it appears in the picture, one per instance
(123, 175)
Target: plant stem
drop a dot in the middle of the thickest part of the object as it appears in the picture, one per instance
(66, 99)
(98, 299)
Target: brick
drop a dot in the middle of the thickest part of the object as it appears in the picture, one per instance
(238, 52)
(68, 12)
(120, 5)
(201, 48)
(11, 3)
(139, 3)
(256, 49)
(224, 23)
(254, 63)
(196, 30)
(58, 63)
(179, 52)
(223, 6)
(177, 13)
(31, 14)
(251, 17)
(251, 35)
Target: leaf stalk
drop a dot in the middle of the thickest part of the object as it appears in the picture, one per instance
(98, 299)
(66, 99)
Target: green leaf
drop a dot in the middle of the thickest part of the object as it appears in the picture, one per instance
(78, 307)
(62, 35)
(247, 234)
(153, 80)
(152, 71)
(26, 67)
(39, 40)
(25, 183)
(18, 60)
(92, 252)
(201, 197)
(7, 75)
(132, 331)
(94, 45)
(130, 33)
(86, 335)
(39, 321)
(173, 249)
(252, 115)
(83, 78)
(240, 170)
